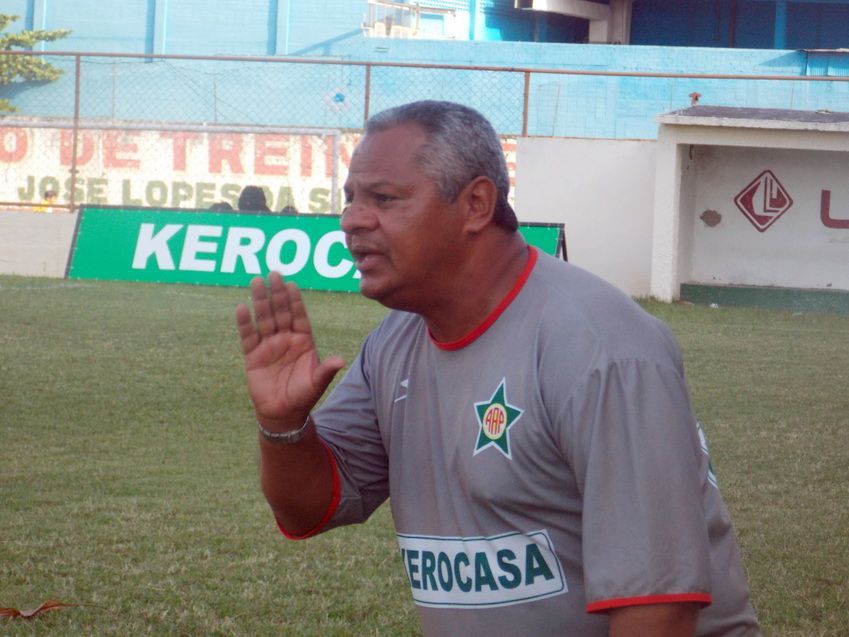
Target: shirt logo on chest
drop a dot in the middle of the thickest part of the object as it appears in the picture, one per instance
(495, 417)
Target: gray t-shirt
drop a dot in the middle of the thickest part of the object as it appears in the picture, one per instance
(541, 471)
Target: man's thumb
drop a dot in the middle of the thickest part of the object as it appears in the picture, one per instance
(326, 370)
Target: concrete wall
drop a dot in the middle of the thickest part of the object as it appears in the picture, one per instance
(271, 94)
(268, 27)
(175, 168)
(35, 244)
(292, 27)
(289, 95)
(645, 216)
(797, 250)
(704, 231)
(198, 27)
(181, 167)
(633, 207)
(602, 191)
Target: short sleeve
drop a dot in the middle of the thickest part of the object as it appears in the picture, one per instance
(634, 447)
(347, 423)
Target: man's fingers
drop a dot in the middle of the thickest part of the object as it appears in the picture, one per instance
(262, 308)
(300, 321)
(247, 333)
(277, 308)
(280, 303)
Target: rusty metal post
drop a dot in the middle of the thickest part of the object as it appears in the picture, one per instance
(525, 100)
(368, 94)
(76, 131)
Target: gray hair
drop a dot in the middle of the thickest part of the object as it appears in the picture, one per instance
(461, 146)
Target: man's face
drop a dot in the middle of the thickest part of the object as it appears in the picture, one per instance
(406, 238)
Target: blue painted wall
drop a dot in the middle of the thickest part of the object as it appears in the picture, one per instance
(298, 95)
(195, 27)
(317, 25)
(311, 27)
(21, 8)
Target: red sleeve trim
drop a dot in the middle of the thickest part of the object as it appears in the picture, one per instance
(331, 508)
(678, 598)
(472, 336)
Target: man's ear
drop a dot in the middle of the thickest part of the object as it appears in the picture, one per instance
(478, 199)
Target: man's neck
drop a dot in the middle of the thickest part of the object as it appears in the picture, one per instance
(478, 289)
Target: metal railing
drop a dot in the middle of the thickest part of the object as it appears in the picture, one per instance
(291, 123)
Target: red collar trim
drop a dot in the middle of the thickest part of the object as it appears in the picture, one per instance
(472, 336)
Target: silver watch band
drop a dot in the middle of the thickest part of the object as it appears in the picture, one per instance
(284, 437)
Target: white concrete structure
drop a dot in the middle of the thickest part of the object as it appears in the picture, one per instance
(601, 190)
(35, 244)
(751, 197)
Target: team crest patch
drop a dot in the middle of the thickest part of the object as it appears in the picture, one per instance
(495, 417)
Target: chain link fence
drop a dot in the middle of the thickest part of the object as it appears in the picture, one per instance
(193, 131)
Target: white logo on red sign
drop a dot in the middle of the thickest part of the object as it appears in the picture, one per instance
(764, 200)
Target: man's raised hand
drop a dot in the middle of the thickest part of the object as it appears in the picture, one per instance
(284, 374)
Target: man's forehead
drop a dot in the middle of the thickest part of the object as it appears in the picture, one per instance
(393, 140)
(384, 155)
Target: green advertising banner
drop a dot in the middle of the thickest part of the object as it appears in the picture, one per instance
(210, 248)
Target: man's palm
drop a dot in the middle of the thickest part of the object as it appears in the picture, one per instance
(285, 377)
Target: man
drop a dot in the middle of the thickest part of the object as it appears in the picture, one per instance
(530, 424)
(252, 199)
(47, 202)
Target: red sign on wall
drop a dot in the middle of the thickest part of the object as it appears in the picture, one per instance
(764, 200)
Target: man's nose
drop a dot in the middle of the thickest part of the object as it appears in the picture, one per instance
(357, 217)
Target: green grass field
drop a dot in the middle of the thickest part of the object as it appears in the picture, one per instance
(128, 468)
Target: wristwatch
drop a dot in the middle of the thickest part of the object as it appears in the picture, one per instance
(284, 437)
